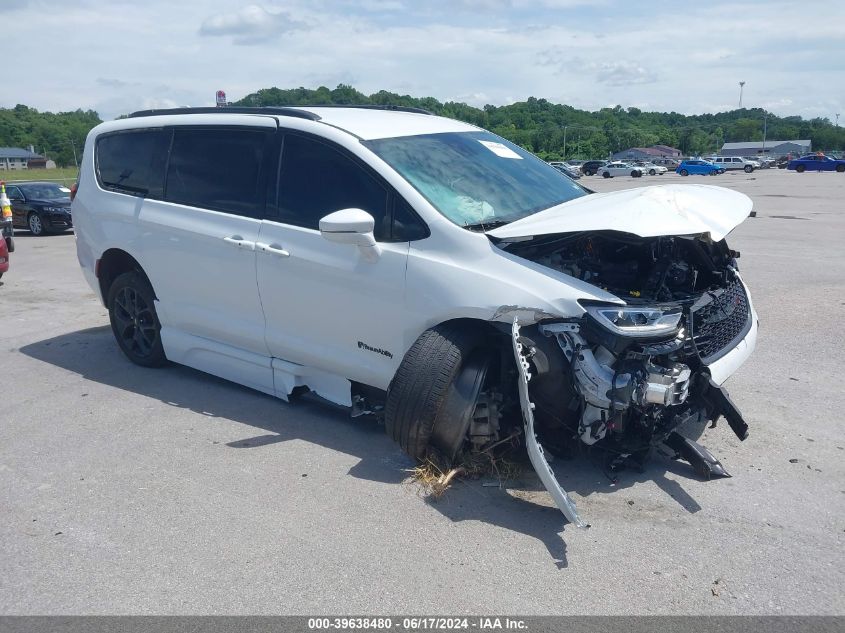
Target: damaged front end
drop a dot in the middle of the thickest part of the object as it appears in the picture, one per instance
(625, 378)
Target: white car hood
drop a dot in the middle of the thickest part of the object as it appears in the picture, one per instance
(646, 212)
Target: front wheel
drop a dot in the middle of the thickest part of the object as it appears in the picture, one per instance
(800, 169)
(652, 172)
(605, 175)
(435, 392)
(840, 168)
(748, 169)
(684, 172)
(636, 174)
(36, 226)
(134, 321)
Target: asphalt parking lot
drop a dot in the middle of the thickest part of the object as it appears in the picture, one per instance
(129, 490)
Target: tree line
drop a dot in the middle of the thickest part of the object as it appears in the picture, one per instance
(59, 137)
(552, 131)
(556, 131)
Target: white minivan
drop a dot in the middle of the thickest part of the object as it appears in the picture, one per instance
(420, 269)
(734, 162)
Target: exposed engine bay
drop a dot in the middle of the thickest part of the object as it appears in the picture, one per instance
(624, 378)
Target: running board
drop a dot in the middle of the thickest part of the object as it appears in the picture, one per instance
(535, 451)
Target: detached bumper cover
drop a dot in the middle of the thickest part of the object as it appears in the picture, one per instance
(535, 451)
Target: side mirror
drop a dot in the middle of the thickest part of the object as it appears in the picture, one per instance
(352, 226)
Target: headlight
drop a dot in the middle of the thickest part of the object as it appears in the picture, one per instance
(636, 321)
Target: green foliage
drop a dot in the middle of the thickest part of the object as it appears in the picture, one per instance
(53, 135)
(554, 131)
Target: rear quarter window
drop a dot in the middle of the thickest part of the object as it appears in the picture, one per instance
(133, 161)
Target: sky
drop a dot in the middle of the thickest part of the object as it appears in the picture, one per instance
(117, 56)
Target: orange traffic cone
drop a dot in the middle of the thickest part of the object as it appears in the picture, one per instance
(5, 204)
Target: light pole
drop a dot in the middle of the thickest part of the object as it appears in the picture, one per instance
(741, 86)
(837, 119)
(765, 120)
(564, 140)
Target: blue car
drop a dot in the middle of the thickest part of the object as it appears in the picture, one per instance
(698, 167)
(816, 162)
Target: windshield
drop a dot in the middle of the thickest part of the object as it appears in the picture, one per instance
(45, 191)
(476, 179)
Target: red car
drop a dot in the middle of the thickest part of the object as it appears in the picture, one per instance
(4, 256)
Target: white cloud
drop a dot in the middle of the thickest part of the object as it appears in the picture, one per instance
(250, 25)
(624, 74)
(121, 55)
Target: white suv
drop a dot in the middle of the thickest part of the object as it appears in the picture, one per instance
(734, 162)
(422, 269)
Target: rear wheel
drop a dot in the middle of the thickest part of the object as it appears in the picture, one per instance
(434, 395)
(800, 168)
(134, 321)
(840, 168)
(652, 172)
(684, 172)
(605, 175)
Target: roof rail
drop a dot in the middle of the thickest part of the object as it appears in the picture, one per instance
(292, 111)
(272, 110)
(372, 106)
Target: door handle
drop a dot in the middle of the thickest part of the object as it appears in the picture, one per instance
(273, 249)
(239, 242)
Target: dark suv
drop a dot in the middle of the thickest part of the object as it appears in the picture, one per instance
(591, 167)
(41, 207)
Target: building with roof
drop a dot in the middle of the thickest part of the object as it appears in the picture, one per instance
(770, 148)
(18, 158)
(647, 153)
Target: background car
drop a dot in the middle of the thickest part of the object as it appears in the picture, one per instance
(617, 168)
(566, 170)
(591, 167)
(698, 167)
(816, 162)
(651, 169)
(41, 207)
(729, 163)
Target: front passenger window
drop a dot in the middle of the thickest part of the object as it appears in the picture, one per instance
(316, 179)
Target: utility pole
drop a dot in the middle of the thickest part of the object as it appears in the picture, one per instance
(564, 140)
(741, 86)
(73, 147)
(837, 119)
(765, 120)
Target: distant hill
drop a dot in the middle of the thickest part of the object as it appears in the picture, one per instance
(56, 135)
(550, 130)
(545, 127)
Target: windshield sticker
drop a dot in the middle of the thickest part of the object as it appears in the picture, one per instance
(64, 189)
(500, 149)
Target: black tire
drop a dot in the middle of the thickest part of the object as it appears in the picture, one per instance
(134, 321)
(652, 172)
(840, 168)
(605, 174)
(684, 172)
(417, 399)
(36, 226)
(800, 168)
(589, 172)
(748, 169)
